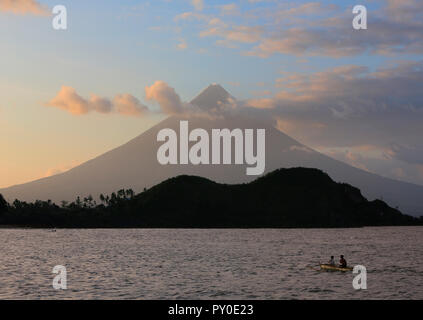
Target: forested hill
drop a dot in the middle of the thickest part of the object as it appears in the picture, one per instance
(296, 197)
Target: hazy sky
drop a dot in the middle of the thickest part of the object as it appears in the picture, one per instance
(68, 96)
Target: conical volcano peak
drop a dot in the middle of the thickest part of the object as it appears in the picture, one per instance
(212, 97)
(214, 88)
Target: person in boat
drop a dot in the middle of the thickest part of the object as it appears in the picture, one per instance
(331, 261)
(342, 262)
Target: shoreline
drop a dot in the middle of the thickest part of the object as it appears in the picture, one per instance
(198, 228)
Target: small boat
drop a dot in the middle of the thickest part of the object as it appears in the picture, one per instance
(334, 268)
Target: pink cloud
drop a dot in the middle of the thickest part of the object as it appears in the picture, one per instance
(69, 100)
(24, 7)
(396, 28)
(167, 98)
(129, 105)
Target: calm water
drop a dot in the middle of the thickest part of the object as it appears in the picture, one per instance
(210, 264)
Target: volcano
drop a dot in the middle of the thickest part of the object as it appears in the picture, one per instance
(134, 165)
(214, 97)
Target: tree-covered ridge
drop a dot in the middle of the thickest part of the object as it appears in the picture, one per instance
(296, 197)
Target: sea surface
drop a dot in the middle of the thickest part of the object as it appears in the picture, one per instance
(210, 264)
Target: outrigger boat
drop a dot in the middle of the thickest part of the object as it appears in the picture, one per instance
(330, 267)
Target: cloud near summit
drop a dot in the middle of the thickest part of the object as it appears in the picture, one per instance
(167, 98)
(340, 109)
(159, 92)
(355, 102)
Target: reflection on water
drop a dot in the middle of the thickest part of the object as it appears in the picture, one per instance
(210, 264)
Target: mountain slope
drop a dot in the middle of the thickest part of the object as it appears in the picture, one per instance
(214, 97)
(134, 165)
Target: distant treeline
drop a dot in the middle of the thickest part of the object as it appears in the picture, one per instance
(285, 198)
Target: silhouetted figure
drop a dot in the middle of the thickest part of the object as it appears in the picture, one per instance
(331, 261)
(342, 262)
